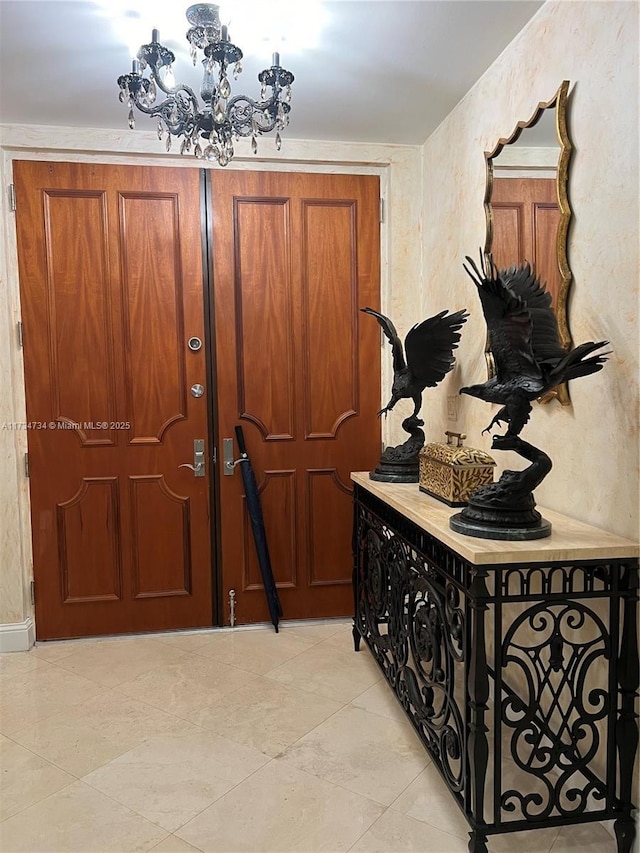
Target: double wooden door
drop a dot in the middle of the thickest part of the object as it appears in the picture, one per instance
(113, 305)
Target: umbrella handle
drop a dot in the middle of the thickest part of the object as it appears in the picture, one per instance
(240, 439)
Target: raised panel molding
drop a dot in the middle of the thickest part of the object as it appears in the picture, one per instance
(154, 358)
(330, 332)
(328, 563)
(278, 496)
(160, 538)
(92, 569)
(263, 289)
(79, 313)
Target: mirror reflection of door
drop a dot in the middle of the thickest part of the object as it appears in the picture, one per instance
(524, 202)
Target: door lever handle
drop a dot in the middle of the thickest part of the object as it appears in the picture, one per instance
(229, 463)
(198, 459)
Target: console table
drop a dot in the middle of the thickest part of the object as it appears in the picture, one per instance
(516, 662)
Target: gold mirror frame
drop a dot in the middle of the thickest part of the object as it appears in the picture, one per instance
(559, 102)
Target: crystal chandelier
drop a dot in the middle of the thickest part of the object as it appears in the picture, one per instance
(207, 128)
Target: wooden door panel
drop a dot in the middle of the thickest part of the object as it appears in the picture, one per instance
(330, 506)
(329, 322)
(278, 496)
(295, 257)
(90, 534)
(152, 275)
(74, 310)
(262, 290)
(111, 280)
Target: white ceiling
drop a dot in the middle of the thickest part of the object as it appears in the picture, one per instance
(382, 70)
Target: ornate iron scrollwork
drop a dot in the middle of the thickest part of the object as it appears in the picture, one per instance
(554, 718)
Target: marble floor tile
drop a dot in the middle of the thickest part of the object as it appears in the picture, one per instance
(171, 779)
(55, 650)
(585, 838)
(17, 663)
(26, 778)
(330, 671)
(78, 819)
(88, 735)
(363, 752)
(257, 651)
(280, 808)
(40, 693)
(397, 833)
(428, 799)
(173, 844)
(317, 632)
(191, 685)
(265, 714)
(380, 699)
(187, 641)
(112, 662)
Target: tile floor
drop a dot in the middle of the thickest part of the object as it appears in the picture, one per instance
(223, 741)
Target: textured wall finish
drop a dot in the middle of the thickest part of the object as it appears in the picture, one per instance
(594, 442)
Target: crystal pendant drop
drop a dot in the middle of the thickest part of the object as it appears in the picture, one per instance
(219, 112)
(198, 151)
(122, 96)
(192, 53)
(254, 145)
(278, 142)
(287, 95)
(186, 145)
(263, 92)
(160, 130)
(225, 88)
(132, 121)
(237, 69)
(152, 92)
(169, 140)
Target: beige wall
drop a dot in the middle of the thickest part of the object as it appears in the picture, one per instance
(399, 168)
(594, 442)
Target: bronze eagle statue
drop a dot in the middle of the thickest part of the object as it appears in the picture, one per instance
(524, 340)
(428, 348)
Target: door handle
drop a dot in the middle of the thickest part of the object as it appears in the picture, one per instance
(198, 459)
(228, 462)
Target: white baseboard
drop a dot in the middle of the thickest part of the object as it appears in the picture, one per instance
(17, 636)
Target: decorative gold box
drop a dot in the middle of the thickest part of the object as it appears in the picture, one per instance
(451, 472)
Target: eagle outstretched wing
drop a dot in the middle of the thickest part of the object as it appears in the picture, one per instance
(545, 338)
(392, 336)
(509, 324)
(429, 346)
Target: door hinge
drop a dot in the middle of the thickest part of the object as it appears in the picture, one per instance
(12, 198)
(381, 210)
(232, 607)
(32, 591)
(27, 469)
(20, 334)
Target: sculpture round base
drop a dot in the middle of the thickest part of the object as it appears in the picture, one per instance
(488, 531)
(395, 473)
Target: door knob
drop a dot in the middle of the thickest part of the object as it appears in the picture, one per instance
(198, 459)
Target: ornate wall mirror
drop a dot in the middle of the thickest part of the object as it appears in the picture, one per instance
(527, 208)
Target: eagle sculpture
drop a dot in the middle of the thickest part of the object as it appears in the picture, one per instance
(524, 340)
(428, 347)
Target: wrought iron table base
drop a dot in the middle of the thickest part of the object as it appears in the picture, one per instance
(528, 669)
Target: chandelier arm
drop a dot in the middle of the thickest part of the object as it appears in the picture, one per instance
(181, 87)
(163, 110)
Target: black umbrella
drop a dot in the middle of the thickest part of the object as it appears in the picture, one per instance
(259, 534)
